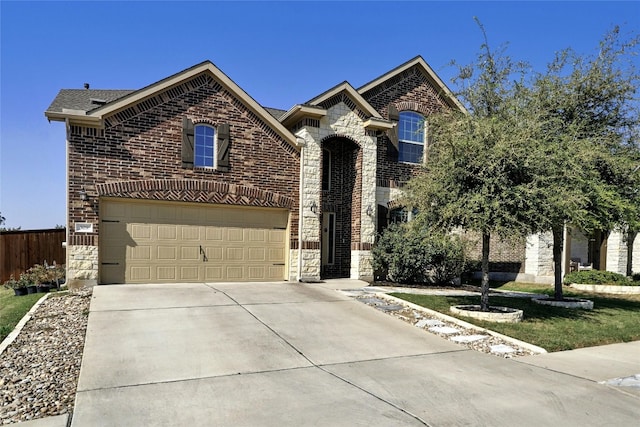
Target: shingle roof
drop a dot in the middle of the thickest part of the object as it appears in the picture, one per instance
(81, 99)
(275, 112)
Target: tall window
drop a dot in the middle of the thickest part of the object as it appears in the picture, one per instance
(203, 146)
(411, 137)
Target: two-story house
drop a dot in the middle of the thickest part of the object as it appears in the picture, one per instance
(190, 179)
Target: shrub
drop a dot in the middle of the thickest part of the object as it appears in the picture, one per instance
(406, 255)
(596, 277)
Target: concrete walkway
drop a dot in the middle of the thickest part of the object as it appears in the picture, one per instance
(288, 354)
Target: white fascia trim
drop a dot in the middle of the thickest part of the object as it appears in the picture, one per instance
(353, 94)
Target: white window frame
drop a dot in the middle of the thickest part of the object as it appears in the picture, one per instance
(195, 146)
(420, 123)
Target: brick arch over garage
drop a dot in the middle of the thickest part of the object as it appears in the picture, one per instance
(184, 190)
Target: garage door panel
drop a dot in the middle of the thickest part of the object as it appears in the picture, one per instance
(139, 253)
(190, 232)
(140, 231)
(167, 232)
(235, 234)
(213, 234)
(190, 253)
(256, 254)
(166, 273)
(190, 273)
(213, 273)
(257, 235)
(235, 273)
(140, 273)
(256, 272)
(276, 255)
(235, 254)
(167, 253)
(148, 242)
(214, 254)
(275, 272)
(276, 236)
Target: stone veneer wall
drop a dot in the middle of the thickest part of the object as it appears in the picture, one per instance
(539, 258)
(617, 253)
(82, 266)
(342, 122)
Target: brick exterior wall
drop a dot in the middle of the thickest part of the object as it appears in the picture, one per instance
(138, 155)
(409, 90)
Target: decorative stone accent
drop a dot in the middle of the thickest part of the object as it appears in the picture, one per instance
(497, 314)
(311, 264)
(607, 289)
(539, 255)
(82, 268)
(567, 303)
(361, 267)
(617, 252)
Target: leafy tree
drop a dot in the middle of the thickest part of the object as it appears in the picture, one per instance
(476, 175)
(2, 219)
(583, 122)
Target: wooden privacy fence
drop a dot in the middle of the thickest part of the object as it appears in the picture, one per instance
(20, 250)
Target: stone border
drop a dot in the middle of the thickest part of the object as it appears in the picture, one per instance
(505, 315)
(607, 289)
(461, 323)
(569, 303)
(16, 331)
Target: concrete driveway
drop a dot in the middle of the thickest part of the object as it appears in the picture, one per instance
(288, 354)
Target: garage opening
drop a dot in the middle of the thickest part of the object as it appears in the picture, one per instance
(168, 242)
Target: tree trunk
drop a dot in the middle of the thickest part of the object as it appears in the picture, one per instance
(558, 241)
(484, 297)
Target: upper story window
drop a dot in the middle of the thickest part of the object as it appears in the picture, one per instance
(410, 137)
(204, 146)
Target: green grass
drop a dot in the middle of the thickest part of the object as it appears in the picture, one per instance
(614, 318)
(13, 308)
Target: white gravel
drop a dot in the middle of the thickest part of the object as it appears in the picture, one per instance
(39, 370)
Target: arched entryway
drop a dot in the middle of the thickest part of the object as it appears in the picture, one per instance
(340, 215)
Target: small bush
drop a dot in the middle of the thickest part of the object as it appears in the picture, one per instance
(596, 277)
(405, 255)
(636, 277)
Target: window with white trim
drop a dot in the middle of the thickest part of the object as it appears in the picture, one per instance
(204, 153)
(411, 137)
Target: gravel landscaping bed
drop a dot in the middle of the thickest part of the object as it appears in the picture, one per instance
(39, 370)
(470, 337)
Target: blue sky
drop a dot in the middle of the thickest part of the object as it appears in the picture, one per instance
(281, 53)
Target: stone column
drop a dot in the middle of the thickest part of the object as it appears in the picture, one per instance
(539, 258)
(617, 252)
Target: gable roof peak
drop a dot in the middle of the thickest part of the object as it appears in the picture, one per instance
(418, 61)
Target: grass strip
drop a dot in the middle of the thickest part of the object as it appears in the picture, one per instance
(614, 319)
(13, 308)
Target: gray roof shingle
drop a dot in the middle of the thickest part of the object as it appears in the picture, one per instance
(81, 99)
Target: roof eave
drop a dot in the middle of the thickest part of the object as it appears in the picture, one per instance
(449, 97)
(222, 78)
(378, 124)
(353, 94)
(299, 111)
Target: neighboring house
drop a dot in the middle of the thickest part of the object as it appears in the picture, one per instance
(190, 179)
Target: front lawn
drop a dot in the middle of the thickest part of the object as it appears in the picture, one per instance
(13, 308)
(614, 318)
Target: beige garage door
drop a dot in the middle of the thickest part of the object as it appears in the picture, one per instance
(155, 242)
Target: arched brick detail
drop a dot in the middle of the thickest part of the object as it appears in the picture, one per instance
(191, 190)
(413, 106)
(339, 135)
